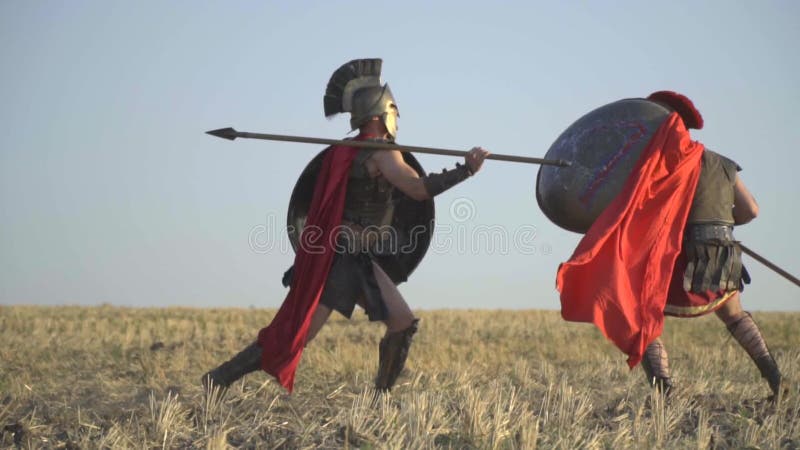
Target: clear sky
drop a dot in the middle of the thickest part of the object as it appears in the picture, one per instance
(111, 192)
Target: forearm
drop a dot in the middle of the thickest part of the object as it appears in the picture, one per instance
(436, 183)
(742, 217)
(406, 179)
(745, 207)
(414, 188)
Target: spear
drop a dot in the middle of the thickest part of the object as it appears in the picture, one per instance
(771, 265)
(231, 134)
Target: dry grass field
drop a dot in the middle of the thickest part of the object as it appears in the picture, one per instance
(107, 377)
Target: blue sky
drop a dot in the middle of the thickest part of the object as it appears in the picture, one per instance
(111, 192)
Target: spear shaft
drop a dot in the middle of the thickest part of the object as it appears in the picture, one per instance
(231, 134)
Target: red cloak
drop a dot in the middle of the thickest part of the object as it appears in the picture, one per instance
(283, 340)
(619, 275)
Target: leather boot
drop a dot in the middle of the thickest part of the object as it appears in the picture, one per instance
(656, 367)
(770, 372)
(393, 352)
(747, 334)
(246, 361)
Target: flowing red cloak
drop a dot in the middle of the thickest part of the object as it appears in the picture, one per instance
(283, 340)
(619, 275)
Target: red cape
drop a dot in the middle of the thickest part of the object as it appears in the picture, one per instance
(283, 340)
(619, 274)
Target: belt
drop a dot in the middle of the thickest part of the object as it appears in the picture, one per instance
(709, 232)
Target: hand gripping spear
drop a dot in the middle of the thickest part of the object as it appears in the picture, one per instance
(770, 265)
(231, 134)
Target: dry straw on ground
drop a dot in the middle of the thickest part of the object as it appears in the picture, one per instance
(108, 377)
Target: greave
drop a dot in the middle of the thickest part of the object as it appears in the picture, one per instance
(747, 334)
(246, 361)
(655, 363)
(393, 351)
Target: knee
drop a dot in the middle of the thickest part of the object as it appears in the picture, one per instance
(729, 318)
(402, 323)
(407, 318)
(731, 311)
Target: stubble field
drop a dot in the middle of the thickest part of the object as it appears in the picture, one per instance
(108, 377)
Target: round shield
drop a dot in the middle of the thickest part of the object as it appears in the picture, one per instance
(603, 146)
(413, 220)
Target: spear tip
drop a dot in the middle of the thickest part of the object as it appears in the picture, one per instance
(225, 133)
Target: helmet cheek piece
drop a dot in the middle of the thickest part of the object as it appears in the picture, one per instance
(389, 119)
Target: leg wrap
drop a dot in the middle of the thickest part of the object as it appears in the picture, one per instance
(747, 334)
(246, 361)
(393, 352)
(436, 183)
(656, 366)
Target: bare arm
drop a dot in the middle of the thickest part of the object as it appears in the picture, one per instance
(745, 207)
(399, 174)
(404, 177)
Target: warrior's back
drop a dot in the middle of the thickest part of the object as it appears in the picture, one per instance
(714, 196)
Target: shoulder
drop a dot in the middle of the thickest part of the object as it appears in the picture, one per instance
(726, 162)
(385, 155)
(716, 160)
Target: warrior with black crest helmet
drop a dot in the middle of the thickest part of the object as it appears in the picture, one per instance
(356, 88)
(381, 187)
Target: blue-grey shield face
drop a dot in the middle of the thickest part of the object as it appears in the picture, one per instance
(603, 147)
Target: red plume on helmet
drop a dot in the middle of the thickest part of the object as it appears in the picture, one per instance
(682, 105)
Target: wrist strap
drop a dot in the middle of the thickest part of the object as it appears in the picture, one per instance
(436, 183)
